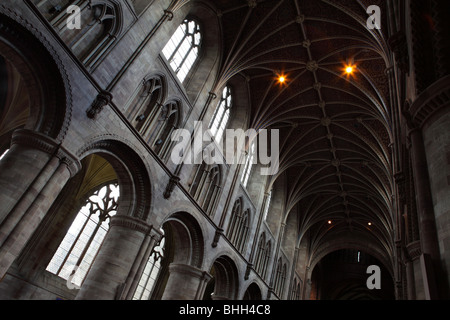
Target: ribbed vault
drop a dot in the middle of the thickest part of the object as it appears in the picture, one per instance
(334, 127)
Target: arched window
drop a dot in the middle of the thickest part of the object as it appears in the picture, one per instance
(280, 278)
(183, 48)
(221, 115)
(267, 206)
(259, 260)
(248, 165)
(100, 24)
(265, 264)
(263, 255)
(295, 290)
(79, 247)
(145, 105)
(239, 226)
(206, 186)
(167, 120)
(151, 273)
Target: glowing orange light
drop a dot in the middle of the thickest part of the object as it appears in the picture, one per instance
(370, 223)
(349, 69)
(330, 222)
(282, 79)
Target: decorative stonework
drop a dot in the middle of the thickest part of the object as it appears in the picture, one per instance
(39, 40)
(414, 250)
(38, 141)
(102, 100)
(432, 100)
(131, 223)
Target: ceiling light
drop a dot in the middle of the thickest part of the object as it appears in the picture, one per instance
(330, 222)
(281, 79)
(349, 69)
(370, 223)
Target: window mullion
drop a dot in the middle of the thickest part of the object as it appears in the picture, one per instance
(73, 245)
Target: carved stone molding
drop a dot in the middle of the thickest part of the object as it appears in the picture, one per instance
(171, 186)
(399, 46)
(39, 141)
(414, 250)
(430, 101)
(131, 223)
(219, 232)
(36, 49)
(102, 100)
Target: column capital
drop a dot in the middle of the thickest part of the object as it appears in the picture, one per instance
(42, 142)
(190, 271)
(133, 224)
(430, 101)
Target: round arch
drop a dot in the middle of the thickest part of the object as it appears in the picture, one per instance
(225, 282)
(184, 239)
(42, 73)
(132, 174)
(253, 292)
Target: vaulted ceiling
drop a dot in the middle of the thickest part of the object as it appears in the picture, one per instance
(334, 126)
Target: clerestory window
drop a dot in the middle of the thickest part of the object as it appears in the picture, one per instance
(221, 115)
(183, 48)
(248, 165)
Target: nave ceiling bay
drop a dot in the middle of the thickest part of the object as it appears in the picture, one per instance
(335, 124)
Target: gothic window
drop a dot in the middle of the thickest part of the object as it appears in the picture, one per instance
(262, 255)
(267, 206)
(182, 50)
(167, 119)
(239, 226)
(248, 165)
(151, 272)
(280, 278)
(221, 115)
(206, 186)
(95, 28)
(79, 247)
(295, 290)
(145, 105)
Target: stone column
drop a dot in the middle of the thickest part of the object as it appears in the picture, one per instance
(424, 201)
(185, 283)
(115, 271)
(32, 174)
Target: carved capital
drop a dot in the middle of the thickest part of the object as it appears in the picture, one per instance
(131, 223)
(399, 46)
(102, 99)
(219, 232)
(41, 142)
(414, 250)
(430, 101)
(173, 181)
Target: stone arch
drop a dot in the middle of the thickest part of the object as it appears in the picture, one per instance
(100, 26)
(133, 175)
(184, 239)
(350, 244)
(253, 292)
(225, 282)
(144, 101)
(42, 72)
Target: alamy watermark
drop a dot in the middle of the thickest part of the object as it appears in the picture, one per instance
(234, 148)
(374, 280)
